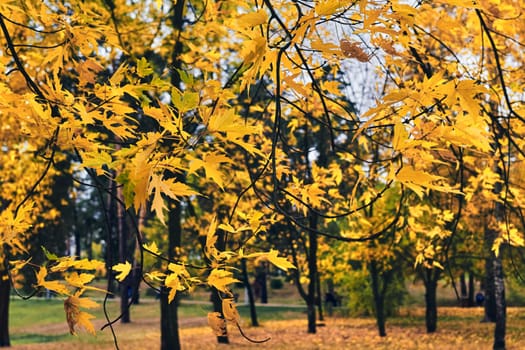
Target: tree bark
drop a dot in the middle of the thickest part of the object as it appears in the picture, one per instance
(471, 291)
(312, 273)
(169, 318)
(490, 297)
(5, 288)
(319, 298)
(501, 306)
(217, 307)
(262, 283)
(125, 287)
(379, 299)
(430, 280)
(495, 303)
(249, 292)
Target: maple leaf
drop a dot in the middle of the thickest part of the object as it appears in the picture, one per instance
(144, 68)
(229, 310)
(79, 280)
(280, 262)
(253, 19)
(220, 279)
(152, 247)
(174, 281)
(417, 180)
(211, 238)
(75, 317)
(54, 286)
(156, 276)
(169, 187)
(123, 270)
(217, 323)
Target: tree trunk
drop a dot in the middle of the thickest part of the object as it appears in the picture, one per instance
(501, 307)
(261, 281)
(5, 288)
(463, 299)
(169, 318)
(463, 285)
(319, 298)
(249, 292)
(490, 297)
(125, 285)
(169, 325)
(471, 290)
(431, 279)
(312, 273)
(379, 300)
(217, 307)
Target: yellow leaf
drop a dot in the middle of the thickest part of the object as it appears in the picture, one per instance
(174, 281)
(400, 139)
(79, 280)
(281, 263)
(437, 264)
(253, 19)
(75, 317)
(54, 286)
(417, 180)
(229, 310)
(152, 247)
(220, 279)
(123, 270)
(217, 323)
(211, 238)
(329, 7)
(156, 276)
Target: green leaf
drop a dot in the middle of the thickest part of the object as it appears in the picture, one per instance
(143, 68)
(49, 255)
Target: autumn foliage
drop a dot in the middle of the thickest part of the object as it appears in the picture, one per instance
(346, 121)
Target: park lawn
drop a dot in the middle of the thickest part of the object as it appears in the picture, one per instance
(40, 324)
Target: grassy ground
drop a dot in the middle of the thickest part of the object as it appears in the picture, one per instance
(39, 324)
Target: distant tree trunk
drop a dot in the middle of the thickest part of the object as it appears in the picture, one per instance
(122, 229)
(501, 305)
(495, 303)
(249, 292)
(431, 277)
(379, 299)
(471, 290)
(463, 299)
(5, 288)
(463, 285)
(497, 310)
(77, 232)
(330, 291)
(135, 284)
(262, 283)
(490, 297)
(111, 249)
(319, 298)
